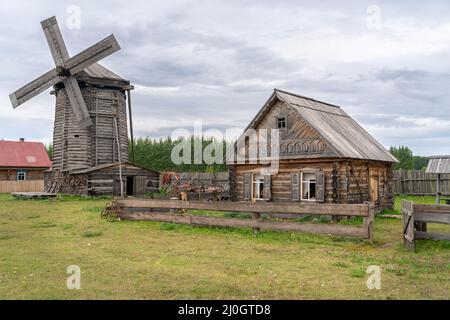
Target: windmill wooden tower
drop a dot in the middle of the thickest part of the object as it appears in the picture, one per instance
(90, 138)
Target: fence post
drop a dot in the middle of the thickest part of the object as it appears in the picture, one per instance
(369, 220)
(256, 217)
(408, 224)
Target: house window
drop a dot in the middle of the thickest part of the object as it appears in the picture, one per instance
(258, 187)
(21, 175)
(308, 186)
(281, 123)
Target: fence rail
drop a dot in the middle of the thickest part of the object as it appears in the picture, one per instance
(22, 186)
(415, 220)
(152, 210)
(416, 182)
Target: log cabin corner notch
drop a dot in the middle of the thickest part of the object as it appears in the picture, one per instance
(324, 156)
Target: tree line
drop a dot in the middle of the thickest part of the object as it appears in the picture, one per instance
(156, 154)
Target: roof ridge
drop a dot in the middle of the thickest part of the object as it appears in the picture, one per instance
(308, 98)
(22, 142)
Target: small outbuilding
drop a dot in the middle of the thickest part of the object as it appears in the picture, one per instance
(439, 165)
(324, 156)
(23, 161)
(105, 180)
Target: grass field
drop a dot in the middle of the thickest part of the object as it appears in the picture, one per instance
(145, 260)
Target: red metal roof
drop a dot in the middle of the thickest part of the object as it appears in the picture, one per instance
(22, 154)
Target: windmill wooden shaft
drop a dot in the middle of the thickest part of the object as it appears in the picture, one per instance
(90, 136)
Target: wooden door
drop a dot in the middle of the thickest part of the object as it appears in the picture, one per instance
(140, 185)
(374, 188)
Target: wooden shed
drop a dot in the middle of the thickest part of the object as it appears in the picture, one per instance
(324, 156)
(105, 180)
(439, 165)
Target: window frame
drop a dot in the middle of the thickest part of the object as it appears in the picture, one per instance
(284, 119)
(303, 182)
(257, 180)
(21, 173)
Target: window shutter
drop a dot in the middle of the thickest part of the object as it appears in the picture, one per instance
(295, 184)
(320, 186)
(267, 187)
(247, 186)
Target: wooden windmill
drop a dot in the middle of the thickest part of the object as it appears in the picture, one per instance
(91, 127)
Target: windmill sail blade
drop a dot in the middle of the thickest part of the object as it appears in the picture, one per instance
(34, 88)
(94, 54)
(55, 41)
(77, 102)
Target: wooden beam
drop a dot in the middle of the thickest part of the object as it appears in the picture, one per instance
(431, 236)
(94, 54)
(361, 210)
(331, 229)
(432, 217)
(130, 114)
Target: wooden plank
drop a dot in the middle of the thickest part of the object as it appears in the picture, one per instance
(432, 217)
(432, 208)
(408, 208)
(285, 208)
(101, 181)
(22, 186)
(431, 236)
(55, 41)
(95, 53)
(77, 102)
(35, 87)
(369, 222)
(330, 229)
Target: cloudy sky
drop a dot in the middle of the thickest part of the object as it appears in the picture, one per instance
(387, 64)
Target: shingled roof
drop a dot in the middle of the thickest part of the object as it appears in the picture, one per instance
(343, 134)
(21, 154)
(97, 74)
(439, 164)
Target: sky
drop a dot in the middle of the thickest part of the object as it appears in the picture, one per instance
(386, 63)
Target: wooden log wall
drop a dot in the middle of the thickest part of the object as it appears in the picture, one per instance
(11, 174)
(416, 182)
(351, 184)
(81, 148)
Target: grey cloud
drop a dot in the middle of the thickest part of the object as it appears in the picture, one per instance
(224, 59)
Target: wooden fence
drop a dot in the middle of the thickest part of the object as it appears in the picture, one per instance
(22, 186)
(415, 182)
(415, 219)
(153, 210)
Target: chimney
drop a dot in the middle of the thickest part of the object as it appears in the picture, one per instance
(22, 139)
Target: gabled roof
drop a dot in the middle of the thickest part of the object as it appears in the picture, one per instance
(21, 154)
(439, 164)
(96, 70)
(96, 74)
(343, 134)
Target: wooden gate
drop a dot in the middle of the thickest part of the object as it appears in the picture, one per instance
(415, 220)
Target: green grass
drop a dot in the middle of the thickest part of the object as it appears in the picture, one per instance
(417, 199)
(146, 260)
